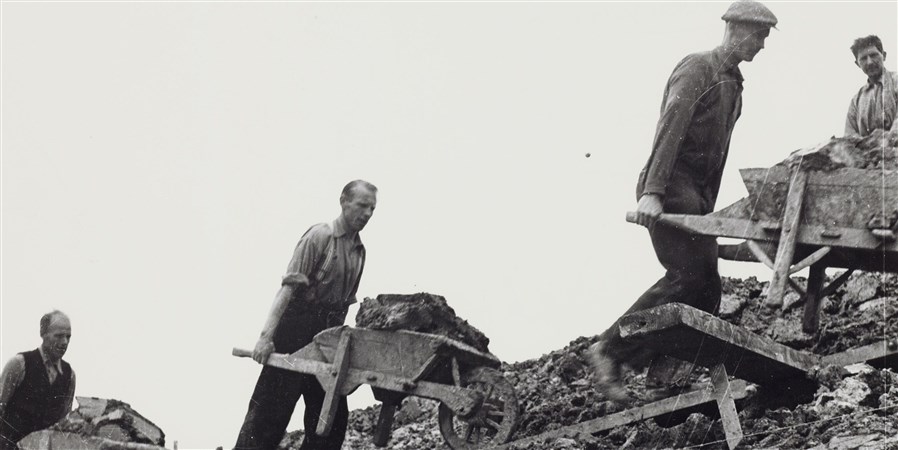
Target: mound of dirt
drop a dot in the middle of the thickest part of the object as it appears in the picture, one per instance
(422, 312)
(854, 408)
(879, 150)
(110, 419)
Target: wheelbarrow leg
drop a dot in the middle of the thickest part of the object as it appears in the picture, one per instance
(385, 422)
(786, 250)
(726, 405)
(333, 389)
(811, 320)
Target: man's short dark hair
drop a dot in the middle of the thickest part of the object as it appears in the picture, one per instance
(47, 318)
(864, 42)
(349, 190)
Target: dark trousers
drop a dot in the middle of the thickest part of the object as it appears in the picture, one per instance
(691, 274)
(278, 390)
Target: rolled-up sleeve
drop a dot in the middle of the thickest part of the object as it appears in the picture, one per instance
(11, 377)
(305, 256)
(685, 88)
(851, 118)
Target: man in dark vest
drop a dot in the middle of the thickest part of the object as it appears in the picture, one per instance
(37, 387)
(319, 285)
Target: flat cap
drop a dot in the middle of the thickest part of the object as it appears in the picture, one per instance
(749, 11)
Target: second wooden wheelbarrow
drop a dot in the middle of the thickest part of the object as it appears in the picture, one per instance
(792, 220)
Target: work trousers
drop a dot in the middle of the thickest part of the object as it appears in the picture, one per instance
(691, 275)
(278, 390)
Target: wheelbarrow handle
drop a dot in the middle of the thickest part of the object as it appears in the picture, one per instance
(241, 353)
(631, 217)
(663, 218)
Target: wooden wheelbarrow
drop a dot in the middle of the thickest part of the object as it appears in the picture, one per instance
(478, 407)
(792, 220)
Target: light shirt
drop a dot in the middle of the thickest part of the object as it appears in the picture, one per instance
(875, 106)
(53, 370)
(327, 263)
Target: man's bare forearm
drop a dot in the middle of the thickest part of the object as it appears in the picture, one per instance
(277, 310)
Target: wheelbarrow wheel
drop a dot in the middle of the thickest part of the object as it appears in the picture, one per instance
(493, 423)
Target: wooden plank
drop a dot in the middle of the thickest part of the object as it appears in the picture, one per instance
(729, 417)
(882, 354)
(761, 256)
(709, 225)
(737, 389)
(692, 335)
(788, 237)
(834, 284)
(838, 258)
(332, 395)
(810, 260)
(288, 362)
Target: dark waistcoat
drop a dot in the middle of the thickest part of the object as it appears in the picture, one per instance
(36, 404)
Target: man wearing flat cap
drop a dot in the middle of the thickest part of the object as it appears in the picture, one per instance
(701, 103)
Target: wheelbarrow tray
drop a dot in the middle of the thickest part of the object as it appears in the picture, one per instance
(835, 200)
(400, 353)
(837, 206)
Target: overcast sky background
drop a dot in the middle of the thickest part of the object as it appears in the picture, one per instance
(160, 161)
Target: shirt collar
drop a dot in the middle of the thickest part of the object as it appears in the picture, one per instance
(46, 360)
(340, 230)
(724, 65)
(871, 83)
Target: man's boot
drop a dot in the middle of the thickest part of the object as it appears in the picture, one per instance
(607, 373)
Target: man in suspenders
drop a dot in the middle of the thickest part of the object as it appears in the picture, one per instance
(37, 387)
(319, 285)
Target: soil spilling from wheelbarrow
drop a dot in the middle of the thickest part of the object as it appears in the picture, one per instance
(423, 312)
(879, 150)
(855, 408)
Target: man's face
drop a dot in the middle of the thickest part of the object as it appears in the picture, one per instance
(359, 209)
(870, 61)
(751, 41)
(56, 338)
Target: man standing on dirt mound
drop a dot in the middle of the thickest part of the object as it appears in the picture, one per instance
(702, 101)
(320, 284)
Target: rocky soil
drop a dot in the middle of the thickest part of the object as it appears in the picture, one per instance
(854, 408)
(423, 312)
(879, 150)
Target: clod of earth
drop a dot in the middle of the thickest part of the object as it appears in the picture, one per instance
(879, 150)
(423, 312)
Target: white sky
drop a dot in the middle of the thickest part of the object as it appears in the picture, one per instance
(160, 161)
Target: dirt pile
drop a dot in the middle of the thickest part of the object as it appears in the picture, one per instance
(99, 423)
(879, 150)
(854, 408)
(423, 312)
